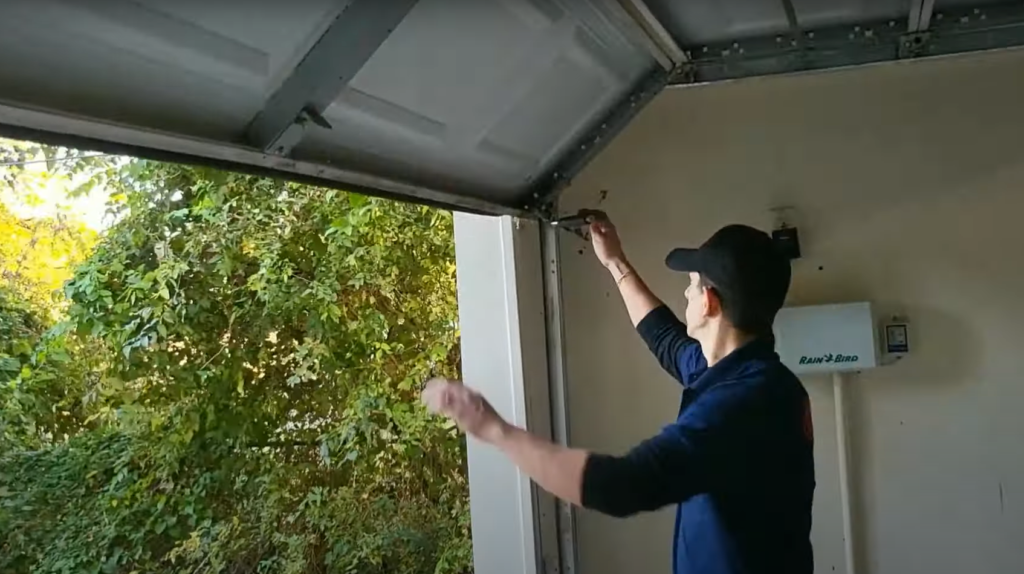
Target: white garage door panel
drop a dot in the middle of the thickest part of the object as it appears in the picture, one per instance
(491, 106)
(475, 98)
(508, 85)
(186, 67)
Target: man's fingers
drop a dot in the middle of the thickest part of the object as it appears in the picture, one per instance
(437, 395)
(448, 397)
(601, 227)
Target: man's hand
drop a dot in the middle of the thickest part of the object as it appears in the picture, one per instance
(606, 242)
(468, 408)
(638, 298)
(557, 469)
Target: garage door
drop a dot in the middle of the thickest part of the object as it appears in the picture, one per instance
(489, 107)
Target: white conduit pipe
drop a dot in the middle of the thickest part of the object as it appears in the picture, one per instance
(842, 444)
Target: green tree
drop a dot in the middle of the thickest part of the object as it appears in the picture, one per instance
(256, 405)
(38, 253)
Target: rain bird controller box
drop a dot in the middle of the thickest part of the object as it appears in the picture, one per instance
(826, 338)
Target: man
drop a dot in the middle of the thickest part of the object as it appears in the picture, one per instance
(738, 459)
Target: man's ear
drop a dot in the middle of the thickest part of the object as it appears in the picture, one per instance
(712, 302)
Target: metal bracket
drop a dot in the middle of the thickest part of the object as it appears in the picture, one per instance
(914, 45)
(576, 223)
(329, 66)
(685, 73)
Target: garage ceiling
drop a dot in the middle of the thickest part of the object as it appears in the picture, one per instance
(481, 106)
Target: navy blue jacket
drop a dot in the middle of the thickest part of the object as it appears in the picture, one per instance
(738, 460)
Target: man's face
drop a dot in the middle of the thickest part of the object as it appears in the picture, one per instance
(696, 305)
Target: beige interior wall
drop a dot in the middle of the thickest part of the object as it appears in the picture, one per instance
(909, 181)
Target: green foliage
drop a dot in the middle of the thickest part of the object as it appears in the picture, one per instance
(44, 376)
(37, 255)
(248, 401)
(21, 327)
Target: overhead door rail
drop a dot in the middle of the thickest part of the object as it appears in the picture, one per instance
(924, 31)
(929, 29)
(674, 65)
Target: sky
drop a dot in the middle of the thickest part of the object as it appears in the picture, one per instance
(51, 197)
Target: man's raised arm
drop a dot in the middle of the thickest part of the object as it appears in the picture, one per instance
(657, 325)
(636, 295)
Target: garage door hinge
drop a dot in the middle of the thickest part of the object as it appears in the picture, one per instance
(684, 73)
(915, 44)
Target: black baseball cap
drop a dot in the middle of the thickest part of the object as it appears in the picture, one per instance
(750, 274)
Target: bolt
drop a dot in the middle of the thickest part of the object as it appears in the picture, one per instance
(810, 35)
(892, 23)
(964, 20)
(977, 10)
(856, 28)
(705, 50)
(869, 33)
(735, 44)
(850, 36)
(778, 39)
